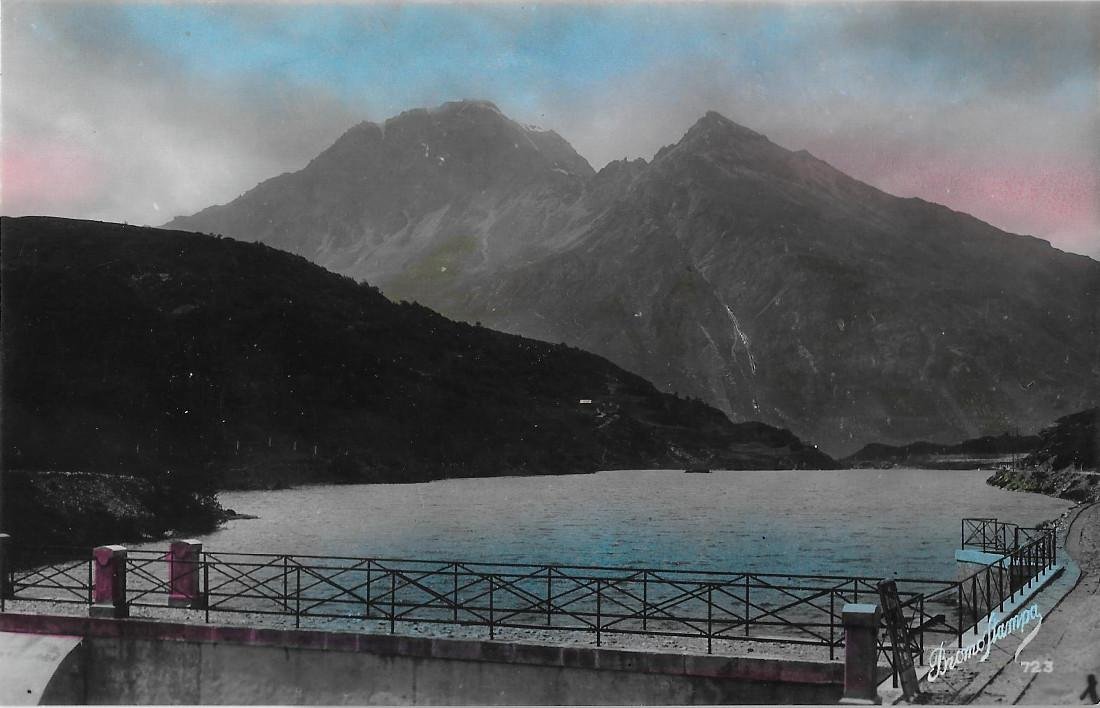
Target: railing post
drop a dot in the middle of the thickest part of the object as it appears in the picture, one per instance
(6, 589)
(206, 586)
(861, 623)
(746, 605)
(286, 586)
(832, 624)
(492, 627)
(599, 623)
(454, 597)
(183, 574)
(549, 594)
(1001, 584)
(393, 600)
(297, 595)
(710, 620)
(974, 598)
(1029, 554)
(368, 589)
(109, 593)
(645, 600)
(960, 610)
(921, 615)
(988, 589)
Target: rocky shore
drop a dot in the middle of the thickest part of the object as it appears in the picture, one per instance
(59, 508)
(1068, 483)
(1065, 463)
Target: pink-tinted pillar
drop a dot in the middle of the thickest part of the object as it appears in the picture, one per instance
(184, 571)
(861, 623)
(109, 589)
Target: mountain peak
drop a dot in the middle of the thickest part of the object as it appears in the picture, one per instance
(714, 132)
(468, 104)
(716, 125)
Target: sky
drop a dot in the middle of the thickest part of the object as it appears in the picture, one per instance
(141, 112)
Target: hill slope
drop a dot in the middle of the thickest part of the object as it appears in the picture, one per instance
(1065, 463)
(728, 268)
(141, 350)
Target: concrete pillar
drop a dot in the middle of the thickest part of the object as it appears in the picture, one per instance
(184, 569)
(6, 590)
(861, 622)
(109, 588)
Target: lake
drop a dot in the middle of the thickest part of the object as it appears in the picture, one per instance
(902, 522)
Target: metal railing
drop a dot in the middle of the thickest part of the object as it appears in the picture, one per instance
(993, 536)
(598, 600)
(993, 586)
(713, 607)
(60, 574)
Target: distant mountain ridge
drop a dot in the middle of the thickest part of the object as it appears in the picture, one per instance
(759, 279)
(988, 449)
(179, 356)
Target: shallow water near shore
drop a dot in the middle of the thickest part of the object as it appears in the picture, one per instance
(883, 523)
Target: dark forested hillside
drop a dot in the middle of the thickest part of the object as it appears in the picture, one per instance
(208, 361)
(1073, 441)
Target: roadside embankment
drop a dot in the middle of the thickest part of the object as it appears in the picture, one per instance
(1073, 484)
(1061, 665)
(1065, 462)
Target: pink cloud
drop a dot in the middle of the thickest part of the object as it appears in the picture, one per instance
(48, 177)
(1054, 199)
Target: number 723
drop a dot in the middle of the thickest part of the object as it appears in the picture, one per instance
(1035, 667)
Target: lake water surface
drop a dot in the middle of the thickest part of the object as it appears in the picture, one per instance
(844, 522)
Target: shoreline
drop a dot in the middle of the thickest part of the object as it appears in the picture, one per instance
(1074, 485)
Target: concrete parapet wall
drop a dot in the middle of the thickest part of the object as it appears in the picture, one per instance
(133, 661)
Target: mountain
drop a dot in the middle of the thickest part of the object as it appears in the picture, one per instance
(727, 268)
(421, 199)
(191, 359)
